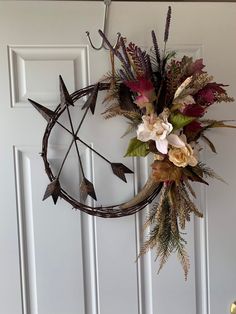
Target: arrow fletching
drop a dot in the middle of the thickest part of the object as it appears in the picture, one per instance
(87, 188)
(53, 190)
(120, 170)
(64, 94)
(91, 101)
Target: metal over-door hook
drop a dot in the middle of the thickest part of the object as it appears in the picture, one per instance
(105, 21)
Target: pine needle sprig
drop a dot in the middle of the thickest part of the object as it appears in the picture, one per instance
(164, 234)
(170, 242)
(183, 256)
(209, 173)
(110, 76)
(150, 242)
(189, 187)
(187, 202)
(132, 126)
(117, 111)
(155, 213)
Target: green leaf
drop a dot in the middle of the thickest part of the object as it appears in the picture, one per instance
(137, 148)
(178, 120)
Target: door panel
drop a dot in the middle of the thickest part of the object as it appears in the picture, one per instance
(56, 260)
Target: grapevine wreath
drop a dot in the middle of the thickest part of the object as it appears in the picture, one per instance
(164, 101)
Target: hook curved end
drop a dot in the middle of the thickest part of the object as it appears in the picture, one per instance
(90, 41)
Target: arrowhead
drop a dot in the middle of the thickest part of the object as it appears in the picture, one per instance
(87, 188)
(91, 101)
(65, 96)
(45, 112)
(119, 170)
(53, 190)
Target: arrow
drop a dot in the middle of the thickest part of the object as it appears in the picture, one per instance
(91, 101)
(64, 94)
(45, 112)
(87, 188)
(53, 190)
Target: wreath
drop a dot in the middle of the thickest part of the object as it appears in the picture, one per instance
(164, 100)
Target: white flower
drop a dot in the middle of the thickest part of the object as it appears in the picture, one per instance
(158, 129)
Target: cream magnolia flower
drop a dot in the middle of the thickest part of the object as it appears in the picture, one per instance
(158, 129)
(184, 156)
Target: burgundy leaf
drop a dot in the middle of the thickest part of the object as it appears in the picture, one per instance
(53, 190)
(46, 113)
(119, 170)
(205, 96)
(194, 127)
(216, 87)
(196, 67)
(141, 86)
(194, 110)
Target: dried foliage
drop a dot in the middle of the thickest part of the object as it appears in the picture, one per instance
(115, 111)
(167, 216)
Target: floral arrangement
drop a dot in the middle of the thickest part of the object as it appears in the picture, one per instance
(165, 100)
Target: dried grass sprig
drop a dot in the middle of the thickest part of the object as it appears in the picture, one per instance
(167, 28)
(117, 111)
(172, 209)
(123, 47)
(156, 48)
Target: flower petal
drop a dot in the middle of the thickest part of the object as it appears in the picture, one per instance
(192, 161)
(162, 146)
(175, 141)
(141, 86)
(143, 133)
(141, 101)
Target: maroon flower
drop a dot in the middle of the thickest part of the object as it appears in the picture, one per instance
(207, 95)
(145, 90)
(194, 110)
(143, 87)
(193, 127)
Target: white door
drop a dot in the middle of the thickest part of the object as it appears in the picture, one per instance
(55, 260)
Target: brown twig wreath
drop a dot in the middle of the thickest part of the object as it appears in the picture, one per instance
(55, 190)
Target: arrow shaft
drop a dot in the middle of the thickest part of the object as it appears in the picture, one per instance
(76, 145)
(85, 144)
(74, 135)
